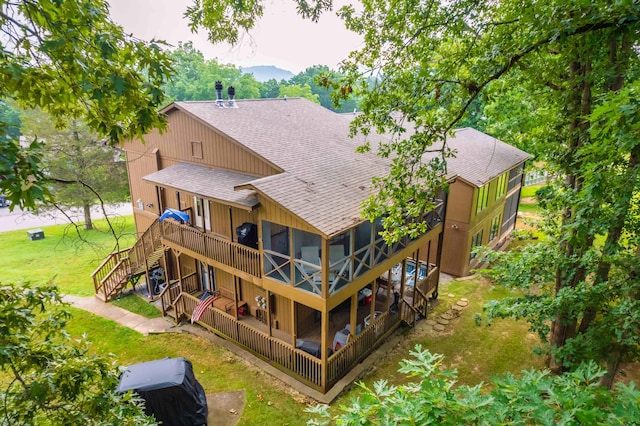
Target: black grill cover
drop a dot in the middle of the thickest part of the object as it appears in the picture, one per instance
(248, 235)
(170, 391)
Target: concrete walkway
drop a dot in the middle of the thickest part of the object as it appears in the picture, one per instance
(123, 317)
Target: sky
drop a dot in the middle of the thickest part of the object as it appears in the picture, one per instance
(280, 38)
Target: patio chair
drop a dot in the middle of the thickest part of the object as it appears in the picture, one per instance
(310, 255)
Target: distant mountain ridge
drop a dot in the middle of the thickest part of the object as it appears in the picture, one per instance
(264, 73)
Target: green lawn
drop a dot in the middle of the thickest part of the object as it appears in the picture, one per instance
(529, 191)
(267, 402)
(62, 256)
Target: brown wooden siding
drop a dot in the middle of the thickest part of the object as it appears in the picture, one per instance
(462, 223)
(275, 213)
(240, 216)
(220, 222)
(217, 149)
(459, 202)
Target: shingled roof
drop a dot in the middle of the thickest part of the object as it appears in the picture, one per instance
(324, 180)
(480, 158)
(214, 184)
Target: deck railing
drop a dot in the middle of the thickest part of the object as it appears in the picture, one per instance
(145, 246)
(343, 360)
(238, 256)
(429, 284)
(105, 268)
(168, 297)
(301, 364)
(190, 283)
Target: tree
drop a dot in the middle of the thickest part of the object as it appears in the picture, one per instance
(433, 60)
(50, 378)
(81, 167)
(534, 398)
(270, 89)
(314, 76)
(113, 82)
(298, 91)
(196, 77)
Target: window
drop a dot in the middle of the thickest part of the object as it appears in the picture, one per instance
(196, 149)
(515, 177)
(483, 198)
(501, 185)
(475, 242)
(495, 227)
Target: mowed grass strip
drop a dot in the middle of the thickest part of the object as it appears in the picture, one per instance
(63, 257)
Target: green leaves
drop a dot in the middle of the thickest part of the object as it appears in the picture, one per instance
(70, 60)
(532, 398)
(54, 380)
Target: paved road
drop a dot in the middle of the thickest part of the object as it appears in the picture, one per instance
(18, 219)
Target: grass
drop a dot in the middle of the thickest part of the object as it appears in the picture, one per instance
(137, 305)
(529, 191)
(531, 209)
(62, 256)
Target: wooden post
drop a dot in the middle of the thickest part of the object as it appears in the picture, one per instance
(294, 332)
(353, 319)
(177, 255)
(324, 259)
(269, 313)
(324, 347)
(403, 281)
(235, 296)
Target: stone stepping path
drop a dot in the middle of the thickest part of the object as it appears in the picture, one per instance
(439, 324)
(443, 321)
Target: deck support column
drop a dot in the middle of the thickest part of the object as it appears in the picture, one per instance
(403, 281)
(294, 331)
(179, 265)
(268, 313)
(324, 336)
(353, 318)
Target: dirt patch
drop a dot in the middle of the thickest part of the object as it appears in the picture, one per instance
(225, 409)
(629, 372)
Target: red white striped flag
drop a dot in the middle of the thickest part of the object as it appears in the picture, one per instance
(201, 307)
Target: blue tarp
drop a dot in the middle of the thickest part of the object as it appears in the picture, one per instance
(175, 214)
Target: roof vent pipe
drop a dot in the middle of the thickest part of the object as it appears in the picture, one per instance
(231, 91)
(219, 93)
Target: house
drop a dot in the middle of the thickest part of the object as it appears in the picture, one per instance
(483, 198)
(250, 211)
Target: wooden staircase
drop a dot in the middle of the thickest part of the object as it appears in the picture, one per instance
(125, 266)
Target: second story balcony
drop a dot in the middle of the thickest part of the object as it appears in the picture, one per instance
(233, 257)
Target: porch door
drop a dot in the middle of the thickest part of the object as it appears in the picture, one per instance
(202, 213)
(207, 277)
